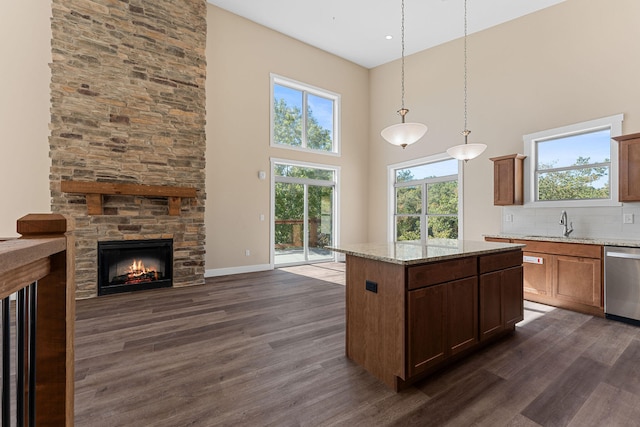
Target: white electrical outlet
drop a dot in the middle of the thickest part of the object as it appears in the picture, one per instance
(627, 218)
(247, 253)
(261, 217)
(508, 218)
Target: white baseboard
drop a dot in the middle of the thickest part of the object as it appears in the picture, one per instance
(215, 272)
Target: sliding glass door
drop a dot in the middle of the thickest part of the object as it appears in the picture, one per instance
(303, 205)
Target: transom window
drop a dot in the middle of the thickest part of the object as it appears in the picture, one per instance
(426, 201)
(303, 117)
(574, 165)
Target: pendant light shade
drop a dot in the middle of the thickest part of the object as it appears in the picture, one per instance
(466, 151)
(403, 134)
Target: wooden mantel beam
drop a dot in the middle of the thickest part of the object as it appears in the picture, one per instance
(95, 190)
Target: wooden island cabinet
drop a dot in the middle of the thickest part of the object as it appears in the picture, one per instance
(411, 309)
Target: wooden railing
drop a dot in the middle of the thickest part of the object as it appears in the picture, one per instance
(39, 268)
(297, 233)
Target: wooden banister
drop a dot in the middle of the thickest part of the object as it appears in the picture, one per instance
(45, 255)
(95, 190)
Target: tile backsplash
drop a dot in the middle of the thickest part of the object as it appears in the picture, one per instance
(588, 222)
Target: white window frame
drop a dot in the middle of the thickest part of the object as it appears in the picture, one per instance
(336, 198)
(391, 193)
(614, 123)
(293, 84)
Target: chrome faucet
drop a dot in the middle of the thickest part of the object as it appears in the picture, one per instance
(568, 226)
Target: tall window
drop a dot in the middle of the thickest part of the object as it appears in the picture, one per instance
(575, 164)
(304, 117)
(426, 200)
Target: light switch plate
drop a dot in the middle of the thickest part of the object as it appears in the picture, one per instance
(627, 218)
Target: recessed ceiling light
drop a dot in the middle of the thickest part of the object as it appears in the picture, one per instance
(388, 37)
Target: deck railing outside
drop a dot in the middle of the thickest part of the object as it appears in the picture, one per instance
(37, 389)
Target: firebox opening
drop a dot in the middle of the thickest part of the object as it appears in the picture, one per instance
(132, 265)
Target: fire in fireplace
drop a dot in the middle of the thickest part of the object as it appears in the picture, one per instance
(131, 265)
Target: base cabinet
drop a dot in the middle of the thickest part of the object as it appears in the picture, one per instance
(442, 321)
(501, 301)
(566, 275)
(537, 274)
(427, 328)
(578, 280)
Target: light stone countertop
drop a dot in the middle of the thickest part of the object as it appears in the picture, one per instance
(414, 253)
(603, 241)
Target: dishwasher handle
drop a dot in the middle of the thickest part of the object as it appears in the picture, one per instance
(622, 255)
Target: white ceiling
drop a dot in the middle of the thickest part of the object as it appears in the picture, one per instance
(356, 29)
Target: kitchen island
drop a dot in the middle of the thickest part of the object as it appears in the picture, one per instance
(411, 309)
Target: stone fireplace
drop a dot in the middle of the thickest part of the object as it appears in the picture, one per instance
(128, 107)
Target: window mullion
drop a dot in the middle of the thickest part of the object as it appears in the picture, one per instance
(304, 118)
(424, 218)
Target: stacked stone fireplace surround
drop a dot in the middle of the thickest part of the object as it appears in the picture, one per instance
(128, 106)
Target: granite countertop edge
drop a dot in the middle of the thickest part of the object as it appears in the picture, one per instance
(602, 241)
(429, 259)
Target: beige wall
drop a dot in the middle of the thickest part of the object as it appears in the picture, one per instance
(25, 50)
(569, 63)
(240, 57)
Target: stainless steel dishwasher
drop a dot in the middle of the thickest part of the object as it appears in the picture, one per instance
(622, 284)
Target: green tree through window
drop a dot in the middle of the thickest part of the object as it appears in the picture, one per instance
(428, 204)
(302, 119)
(582, 182)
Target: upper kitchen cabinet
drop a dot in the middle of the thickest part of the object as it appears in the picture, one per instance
(629, 167)
(508, 185)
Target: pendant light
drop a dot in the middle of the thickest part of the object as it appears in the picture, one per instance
(466, 151)
(403, 134)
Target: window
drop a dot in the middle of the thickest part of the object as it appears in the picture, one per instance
(303, 117)
(425, 200)
(574, 165)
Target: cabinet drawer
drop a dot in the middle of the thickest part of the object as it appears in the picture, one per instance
(500, 261)
(557, 248)
(440, 272)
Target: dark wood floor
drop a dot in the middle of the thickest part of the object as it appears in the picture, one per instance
(267, 349)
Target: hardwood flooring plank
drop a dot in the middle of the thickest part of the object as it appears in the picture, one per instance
(625, 373)
(609, 406)
(558, 404)
(444, 406)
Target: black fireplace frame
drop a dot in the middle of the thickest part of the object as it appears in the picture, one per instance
(120, 249)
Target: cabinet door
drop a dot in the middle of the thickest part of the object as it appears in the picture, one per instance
(427, 327)
(462, 298)
(491, 316)
(508, 180)
(578, 280)
(537, 273)
(503, 182)
(501, 301)
(629, 170)
(512, 296)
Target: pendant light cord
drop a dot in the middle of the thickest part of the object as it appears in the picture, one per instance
(402, 55)
(465, 132)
